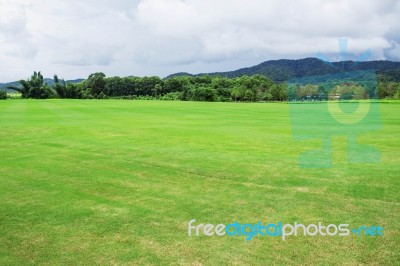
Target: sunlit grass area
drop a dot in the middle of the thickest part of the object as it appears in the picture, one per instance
(116, 182)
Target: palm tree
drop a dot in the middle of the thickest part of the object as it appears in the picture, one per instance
(24, 89)
(33, 87)
(61, 88)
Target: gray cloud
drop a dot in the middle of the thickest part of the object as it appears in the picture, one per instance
(158, 37)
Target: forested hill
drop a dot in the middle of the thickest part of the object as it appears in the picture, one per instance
(284, 69)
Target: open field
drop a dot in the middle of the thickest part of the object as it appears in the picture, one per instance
(116, 182)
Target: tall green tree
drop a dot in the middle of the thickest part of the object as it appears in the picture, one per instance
(96, 84)
(61, 88)
(34, 87)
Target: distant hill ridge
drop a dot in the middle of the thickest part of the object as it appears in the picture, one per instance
(49, 81)
(285, 69)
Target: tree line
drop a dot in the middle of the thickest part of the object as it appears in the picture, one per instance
(203, 88)
(257, 88)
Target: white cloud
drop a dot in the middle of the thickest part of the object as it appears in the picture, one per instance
(158, 37)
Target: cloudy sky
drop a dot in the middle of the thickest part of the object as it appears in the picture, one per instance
(74, 38)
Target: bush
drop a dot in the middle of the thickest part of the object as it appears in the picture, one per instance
(86, 94)
(248, 95)
(3, 95)
(145, 98)
(172, 96)
(101, 96)
(224, 95)
(397, 96)
(203, 94)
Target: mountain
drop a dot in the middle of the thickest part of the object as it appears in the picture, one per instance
(3, 86)
(285, 69)
(50, 82)
(182, 74)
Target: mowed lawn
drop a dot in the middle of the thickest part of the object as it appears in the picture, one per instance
(116, 182)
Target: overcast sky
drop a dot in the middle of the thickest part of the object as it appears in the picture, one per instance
(74, 38)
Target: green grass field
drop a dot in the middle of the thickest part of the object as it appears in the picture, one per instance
(116, 182)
